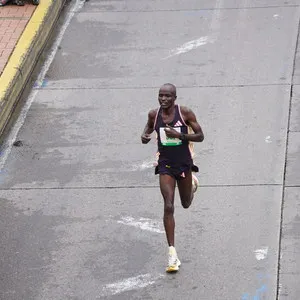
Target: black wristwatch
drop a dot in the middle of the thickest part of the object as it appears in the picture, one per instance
(182, 137)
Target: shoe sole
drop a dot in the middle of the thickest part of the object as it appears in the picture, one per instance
(174, 269)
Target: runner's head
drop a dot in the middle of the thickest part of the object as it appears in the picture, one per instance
(167, 95)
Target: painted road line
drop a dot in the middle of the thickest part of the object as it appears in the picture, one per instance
(262, 253)
(129, 284)
(214, 30)
(147, 164)
(268, 139)
(142, 223)
(189, 46)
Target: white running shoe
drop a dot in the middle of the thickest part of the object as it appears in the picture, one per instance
(195, 183)
(174, 262)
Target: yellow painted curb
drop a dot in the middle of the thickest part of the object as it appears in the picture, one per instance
(25, 55)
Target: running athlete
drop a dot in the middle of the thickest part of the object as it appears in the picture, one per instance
(176, 127)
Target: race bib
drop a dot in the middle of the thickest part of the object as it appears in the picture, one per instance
(167, 141)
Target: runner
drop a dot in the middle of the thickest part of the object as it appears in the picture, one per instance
(176, 127)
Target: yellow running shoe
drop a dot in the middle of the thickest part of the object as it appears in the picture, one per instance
(174, 262)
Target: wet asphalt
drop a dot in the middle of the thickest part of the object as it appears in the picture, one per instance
(81, 211)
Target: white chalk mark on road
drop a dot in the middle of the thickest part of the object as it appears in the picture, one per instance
(189, 46)
(262, 253)
(6, 148)
(129, 284)
(268, 139)
(214, 29)
(142, 223)
(147, 164)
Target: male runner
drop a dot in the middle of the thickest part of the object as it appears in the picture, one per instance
(172, 124)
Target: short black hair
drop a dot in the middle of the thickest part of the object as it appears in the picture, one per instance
(172, 86)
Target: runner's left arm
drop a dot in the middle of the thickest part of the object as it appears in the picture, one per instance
(198, 135)
(191, 121)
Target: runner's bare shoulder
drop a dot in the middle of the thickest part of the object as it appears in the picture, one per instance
(186, 112)
(152, 114)
(185, 109)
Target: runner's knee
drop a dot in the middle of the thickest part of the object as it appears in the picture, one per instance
(186, 202)
(169, 208)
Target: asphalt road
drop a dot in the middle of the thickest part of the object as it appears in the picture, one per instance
(81, 211)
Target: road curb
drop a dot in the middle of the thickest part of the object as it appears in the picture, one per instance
(24, 57)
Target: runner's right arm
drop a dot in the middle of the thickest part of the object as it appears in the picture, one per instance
(149, 128)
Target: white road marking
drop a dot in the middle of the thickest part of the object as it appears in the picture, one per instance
(262, 253)
(268, 139)
(214, 28)
(147, 164)
(7, 146)
(129, 284)
(276, 16)
(189, 46)
(142, 223)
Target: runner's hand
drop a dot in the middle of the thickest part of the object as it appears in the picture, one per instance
(146, 138)
(171, 132)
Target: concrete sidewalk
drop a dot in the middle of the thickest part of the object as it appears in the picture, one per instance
(24, 31)
(13, 20)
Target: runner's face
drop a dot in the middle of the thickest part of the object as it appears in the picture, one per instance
(166, 97)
